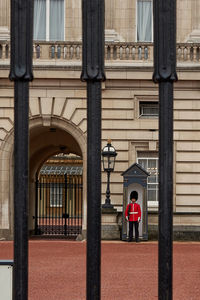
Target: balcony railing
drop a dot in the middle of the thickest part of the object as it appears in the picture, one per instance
(73, 51)
(115, 51)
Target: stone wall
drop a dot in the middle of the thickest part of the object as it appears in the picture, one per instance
(120, 20)
(62, 97)
(58, 98)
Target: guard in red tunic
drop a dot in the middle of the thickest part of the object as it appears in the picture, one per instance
(133, 216)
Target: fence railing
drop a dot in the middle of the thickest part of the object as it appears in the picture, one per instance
(114, 51)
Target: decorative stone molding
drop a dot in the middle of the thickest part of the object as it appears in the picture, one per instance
(4, 33)
(112, 36)
(4, 14)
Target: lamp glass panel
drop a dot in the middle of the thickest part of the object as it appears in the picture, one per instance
(112, 162)
(105, 162)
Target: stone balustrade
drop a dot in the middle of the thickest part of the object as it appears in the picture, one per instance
(65, 50)
(70, 51)
(188, 52)
(129, 51)
(114, 51)
(4, 50)
(73, 51)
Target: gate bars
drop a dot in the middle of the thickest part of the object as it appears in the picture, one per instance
(165, 75)
(93, 74)
(58, 205)
(21, 73)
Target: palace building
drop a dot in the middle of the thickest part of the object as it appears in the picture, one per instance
(58, 116)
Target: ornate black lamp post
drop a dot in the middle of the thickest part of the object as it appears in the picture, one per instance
(108, 154)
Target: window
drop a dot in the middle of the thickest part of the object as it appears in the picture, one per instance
(48, 20)
(144, 20)
(148, 109)
(56, 195)
(149, 161)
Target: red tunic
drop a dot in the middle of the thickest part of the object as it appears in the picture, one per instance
(135, 212)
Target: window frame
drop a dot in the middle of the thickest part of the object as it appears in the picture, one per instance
(136, 18)
(152, 204)
(47, 39)
(143, 116)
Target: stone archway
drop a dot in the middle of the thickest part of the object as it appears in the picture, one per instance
(39, 126)
(6, 188)
(45, 141)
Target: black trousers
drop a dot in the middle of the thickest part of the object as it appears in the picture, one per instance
(136, 224)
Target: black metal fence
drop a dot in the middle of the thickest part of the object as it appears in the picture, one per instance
(59, 205)
(165, 75)
(93, 74)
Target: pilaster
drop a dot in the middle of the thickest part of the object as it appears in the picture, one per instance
(4, 19)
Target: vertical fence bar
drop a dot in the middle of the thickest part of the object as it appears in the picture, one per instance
(94, 192)
(48, 187)
(43, 204)
(165, 75)
(78, 215)
(65, 224)
(48, 192)
(81, 202)
(93, 74)
(36, 205)
(21, 191)
(60, 201)
(67, 204)
(70, 205)
(53, 201)
(21, 74)
(46, 216)
(59, 204)
(43, 187)
(75, 206)
(55, 204)
(72, 202)
(63, 202)
(40, 197)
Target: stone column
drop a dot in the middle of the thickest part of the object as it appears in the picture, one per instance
(4, 19)
(73, 20)
(195, 21)
(196, 14)
(109, 7)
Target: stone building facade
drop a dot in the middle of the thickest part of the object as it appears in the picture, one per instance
(129, 103)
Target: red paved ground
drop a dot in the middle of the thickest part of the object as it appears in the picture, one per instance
(129, 270)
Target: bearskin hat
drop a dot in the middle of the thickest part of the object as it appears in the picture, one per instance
(134, 195)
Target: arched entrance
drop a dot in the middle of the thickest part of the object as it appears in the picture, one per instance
(57, 197)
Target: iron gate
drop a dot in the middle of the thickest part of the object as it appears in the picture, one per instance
(93, 73)
(59, 205)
